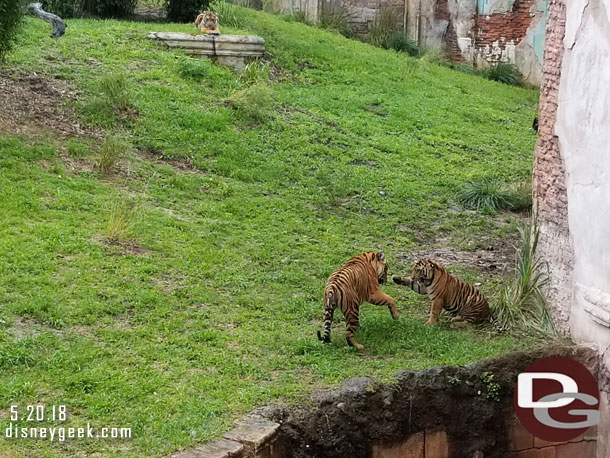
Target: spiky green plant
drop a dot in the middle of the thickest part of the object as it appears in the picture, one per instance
(492, 196)
(521, 303)
(113, 148)
(120, 219)
(253, 104)
(115, 90)
(229, 15)
(400, 42)
(11, 12)
(382, 27)
(504, 73)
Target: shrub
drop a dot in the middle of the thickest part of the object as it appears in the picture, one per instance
(63, 8)
(434, 57)
(229, 14)
(521, 303)
(253, 104)
(400, 42)
(411, 68)
(101, 8)
(11, 12)
(185, 10)
(491, 196)
(114, 88)
(504, 73)
(120, 219)
(382, 27)
(112, 150)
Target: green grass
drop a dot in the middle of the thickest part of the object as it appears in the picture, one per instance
(216, 311)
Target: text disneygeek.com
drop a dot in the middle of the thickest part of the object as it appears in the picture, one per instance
(40, 413)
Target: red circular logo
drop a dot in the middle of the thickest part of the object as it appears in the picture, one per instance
(557, 399)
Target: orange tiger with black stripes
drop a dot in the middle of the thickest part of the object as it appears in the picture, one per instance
(352, 284)
(462, 300)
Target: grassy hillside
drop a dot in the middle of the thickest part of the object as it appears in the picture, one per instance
(208, 304)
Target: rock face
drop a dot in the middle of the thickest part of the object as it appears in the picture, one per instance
(454, 408)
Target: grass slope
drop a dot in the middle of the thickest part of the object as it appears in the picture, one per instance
(216, 313)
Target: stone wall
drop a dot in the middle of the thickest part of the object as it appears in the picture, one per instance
(572, 179)
(481, 32)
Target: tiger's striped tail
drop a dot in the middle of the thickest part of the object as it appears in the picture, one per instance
(496, 324)
(329, 307)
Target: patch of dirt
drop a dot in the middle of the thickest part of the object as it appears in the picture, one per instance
(23, 328)
(31, 103)
(126, 247)
(498, 258)
(183, 164)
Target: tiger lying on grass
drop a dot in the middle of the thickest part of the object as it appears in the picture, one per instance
(348, 287)
(207, 22)
(459, 298)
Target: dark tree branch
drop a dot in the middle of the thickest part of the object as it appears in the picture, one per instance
(59, 26)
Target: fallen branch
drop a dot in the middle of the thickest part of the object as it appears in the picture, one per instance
(59, 26)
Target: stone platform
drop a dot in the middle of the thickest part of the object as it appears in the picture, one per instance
(229, 50)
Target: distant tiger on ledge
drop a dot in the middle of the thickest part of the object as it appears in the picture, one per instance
(348, 287)
(207, 22)
(459, 298)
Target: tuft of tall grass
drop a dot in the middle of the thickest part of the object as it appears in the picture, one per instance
(256, 72)
(382, 27)
(113, 148)
(492, 196)
(337, 19)
(229, 15)
(115, 90)
(521, 303)
(120, 219)
(253, 103)
(504, 73)
(400, 42)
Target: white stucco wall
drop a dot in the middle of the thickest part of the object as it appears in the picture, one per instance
(583, 130)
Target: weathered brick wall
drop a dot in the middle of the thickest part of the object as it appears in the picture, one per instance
(495, 31)
(549, 189)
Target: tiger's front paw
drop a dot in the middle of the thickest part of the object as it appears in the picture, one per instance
(400, 280)
(429, 322)
(358, 346)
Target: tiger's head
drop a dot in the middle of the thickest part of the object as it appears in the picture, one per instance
(426, 270)
(378, 262)
(207, 20)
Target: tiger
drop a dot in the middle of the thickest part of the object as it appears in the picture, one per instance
(207, 22)
(352, 284)
(466, 303)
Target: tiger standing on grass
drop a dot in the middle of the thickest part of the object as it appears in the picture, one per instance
(461, 299)
(348, 287)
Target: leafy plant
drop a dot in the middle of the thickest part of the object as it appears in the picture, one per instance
(229, 14)
(521, 302)
(253, 103)
(63, 8)
(115, 90)
(120, 219)
(112, 150)
(504, 73)
(11, 12)
(492, 196)
(493, 388)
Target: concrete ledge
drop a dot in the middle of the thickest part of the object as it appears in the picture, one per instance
(212, 45)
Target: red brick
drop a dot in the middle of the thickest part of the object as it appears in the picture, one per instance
(585, 449)
(436, 444)
(520, 438)
(413, 447)
(548, 452)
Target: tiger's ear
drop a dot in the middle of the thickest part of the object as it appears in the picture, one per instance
(381, 256)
